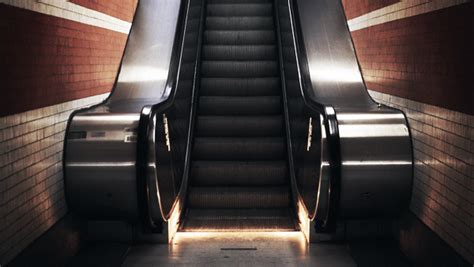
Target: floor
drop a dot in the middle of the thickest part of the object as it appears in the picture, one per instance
(241, 249)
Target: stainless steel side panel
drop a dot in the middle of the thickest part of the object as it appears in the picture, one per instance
(100, 165)
(374, 140)
(376, 168)
(332, 64)
(100, 150)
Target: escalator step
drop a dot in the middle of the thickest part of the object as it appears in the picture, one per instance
(261, 37)
(238, 1)
(239, 52)
(235, 105)
(220, 148)
(239, 23)
(239, 173)
(235, 173)
(238, 219)
(240, 86)
(242, 9)
(242, 126)
(235, 69)
(238, 197)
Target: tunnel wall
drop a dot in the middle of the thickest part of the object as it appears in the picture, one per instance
(417, 56)
(56, 56)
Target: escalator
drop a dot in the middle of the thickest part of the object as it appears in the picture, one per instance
(238, 115)
(239, 177)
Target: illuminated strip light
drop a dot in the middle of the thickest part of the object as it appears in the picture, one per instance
(101, 164)
(401, 10)
(372, 130)
(376, 163)
(105, 118)
(70, 11)
(369, 117)
(238, 234)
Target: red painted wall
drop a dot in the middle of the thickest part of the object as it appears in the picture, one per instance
(47, 60)
(427, 58)
(123, 10)
(356, 8)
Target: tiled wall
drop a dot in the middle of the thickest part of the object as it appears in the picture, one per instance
(413, 56)
(31, 180)
(116, 8)
(405, 57)
(443, 189)
(56, 56)
(48, 60)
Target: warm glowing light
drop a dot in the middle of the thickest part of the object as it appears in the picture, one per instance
(101, 164)
(105, 118)
(331, 72)
(258, 240)
(142, 74)
(372, 130)
(173, 221)
(376, 163)
(193, 236)
(303, 220)
(368, 117)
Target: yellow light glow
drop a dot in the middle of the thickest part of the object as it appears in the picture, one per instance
(142, 74)
(193, 236)
(304, 221)
(333, 72)
(173, 221)
(294, 241)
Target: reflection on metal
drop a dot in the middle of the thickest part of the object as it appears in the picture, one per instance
(131, 171)
(133, 74)
(101, 164)
(167, 132)
(310, 133)
(331, 72)
(372, 130)
(304, 221)
(376, 163)
(364, 149)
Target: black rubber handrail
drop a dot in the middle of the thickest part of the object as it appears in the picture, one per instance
(147, 114)
(327, 224)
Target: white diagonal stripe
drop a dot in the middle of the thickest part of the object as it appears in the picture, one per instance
(401, 10)
(67, 10)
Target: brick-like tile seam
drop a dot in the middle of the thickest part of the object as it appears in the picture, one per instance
(47, 219)
(434, 200)
(17, 232)
(44, 201)
(31, 185)
(433, 221)
(443, 192)
(31, 116)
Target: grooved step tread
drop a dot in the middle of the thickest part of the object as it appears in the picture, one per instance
(238, 173)
(240, 86)
(238, 1)
(255, 37)
(239, 126)
(235, 105)
(239, 197)
(239, 23)
(230, 69)
(239, 52)
(238, 148)
(240, 9)
(218, 220)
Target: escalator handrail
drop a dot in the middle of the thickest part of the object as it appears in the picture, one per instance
(330, 122)
(149, 112)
